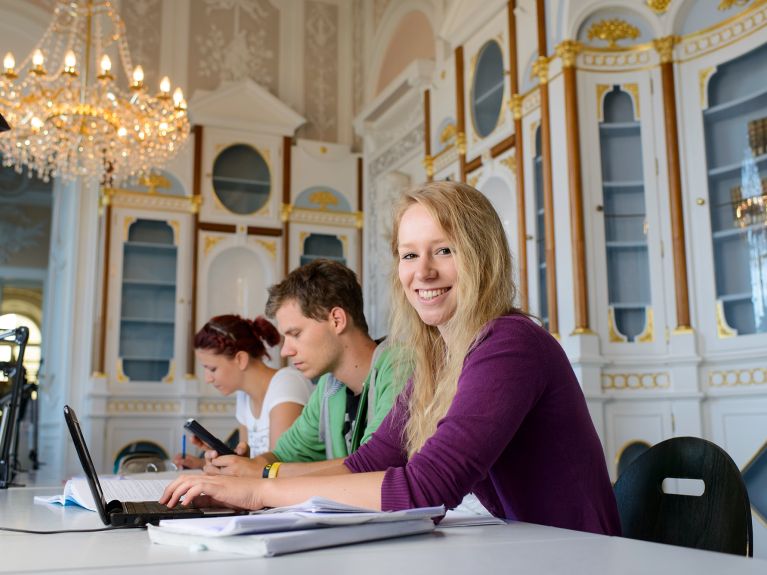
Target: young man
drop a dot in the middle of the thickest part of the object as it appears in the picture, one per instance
(318, 308)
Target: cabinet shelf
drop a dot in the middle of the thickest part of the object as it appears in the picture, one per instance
(149, 246)
(617, 245)
(143, 358)
(618, 126)
(234, 180)
(737, 296)
(737, 231)
(629, 305)
(625, 184)
(147, 320)
(732, 169)
(719, 109)
(149, 283)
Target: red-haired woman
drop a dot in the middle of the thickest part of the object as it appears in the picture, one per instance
(231, 350)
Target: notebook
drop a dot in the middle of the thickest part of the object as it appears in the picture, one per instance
(135, 513)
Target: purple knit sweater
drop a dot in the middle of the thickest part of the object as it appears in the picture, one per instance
(518, 435)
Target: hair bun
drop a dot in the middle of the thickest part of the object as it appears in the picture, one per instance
(265, 330)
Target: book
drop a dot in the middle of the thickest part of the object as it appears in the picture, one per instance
(77, 492)
(280, 543)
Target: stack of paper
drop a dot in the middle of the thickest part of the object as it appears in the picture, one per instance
(316, 523)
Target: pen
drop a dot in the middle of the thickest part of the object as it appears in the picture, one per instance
(183, 450)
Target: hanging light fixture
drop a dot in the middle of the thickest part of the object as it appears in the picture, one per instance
(72, 116)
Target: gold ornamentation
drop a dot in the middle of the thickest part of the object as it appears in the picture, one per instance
(541, 69)
(601, 90)
(448, 134)
(323, 149)
(647, 335)
(612, 329)
(658, 6)
(345, 243)
(633, 89)
(582, 331)
(682, 330)
(211, 242)
(510, 162)
(516, 106)
(285, 212)
(127, 223)
(442, 75)
(428, 164)
(636, 381)
(142, 406)
(665, 48)
(171, 372)
(703, 77)
(359, 220)
(727, 4)
(196, 203)
(474, 180)
(270, 246)
(121, 377)
(216, 407)
(612, 31)
(460, 142)
(568, 51)
(723, 329)
(323, 199)
(735, 377)
(176, 226)
(533, 128)
(154, 181)
(302, 238)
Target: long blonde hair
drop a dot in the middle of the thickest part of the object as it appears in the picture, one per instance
(485, 291)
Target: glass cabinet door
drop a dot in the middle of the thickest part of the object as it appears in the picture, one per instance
(147, 315)
(735, 125)
(540, 232)
(625, 220)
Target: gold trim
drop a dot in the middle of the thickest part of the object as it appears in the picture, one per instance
(345, 243)
(728, 4)
(568, 51)
(602, 89)
(211, 242)
(612, 329)
(635, 381)
(515, 103)
(648, 333)
(736, 377)
(704, 75)
(533, 127)
(541, 69)
(633, 89)
(154, 181)
(176, 227)
(612, 31)
(171, 375)
(285, 212)
(302, 238)
(723, 329)
(460, 142)
(448, 133)
(121, 377)
(582, 331)
(323, 198)
(726, 22)
(127, 223)
(658, 6)
(682, 330)
(428, 165)
(474, 180)
(270, 246)
(510, 162)
(665, 47)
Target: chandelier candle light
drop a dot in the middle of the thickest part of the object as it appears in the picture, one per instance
(71, 117)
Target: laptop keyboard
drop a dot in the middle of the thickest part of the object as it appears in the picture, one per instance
(152, 507)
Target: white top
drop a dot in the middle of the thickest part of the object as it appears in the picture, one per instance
(287, 385)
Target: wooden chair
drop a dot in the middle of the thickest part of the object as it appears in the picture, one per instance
(717, 520)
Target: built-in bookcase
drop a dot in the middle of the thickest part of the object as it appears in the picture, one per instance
(147, 316)
(540, 232)
(625, 218)
(737, 180)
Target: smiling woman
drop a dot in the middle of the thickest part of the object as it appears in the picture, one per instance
(493, 407)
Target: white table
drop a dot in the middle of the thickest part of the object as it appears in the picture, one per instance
(513, 548)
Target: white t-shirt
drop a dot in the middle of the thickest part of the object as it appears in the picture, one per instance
(287, 385)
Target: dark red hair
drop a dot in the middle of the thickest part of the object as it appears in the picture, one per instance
(228, 334)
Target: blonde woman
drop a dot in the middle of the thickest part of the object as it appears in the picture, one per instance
(493, 406)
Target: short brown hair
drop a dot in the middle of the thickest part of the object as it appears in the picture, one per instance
(318, 287)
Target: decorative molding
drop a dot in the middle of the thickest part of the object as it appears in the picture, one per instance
(428, 165)
(326, 217)
(612, 31)
(176, 227)
(531, 101)
(474, 180)
(636, 381)
(445, 158)
(541, 69)
(723, 329)
(515, 103)
(120, 198)
(633, 89)
(658, 6)
(323, 199)
(737, 377)
(612, 328)
(127, 223)
(171, 372)
(510, 161)
(321, 46)
(568, 51)
(648, 333)
(118, 406)
(216, 407)
(210, 242)
(728, 4)
(704, 75)
(602, 89)
(665, 48)
(406, 145)
(607, 61)
(737, 27)
(269, 246)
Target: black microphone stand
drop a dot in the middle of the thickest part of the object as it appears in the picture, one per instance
(9, 422)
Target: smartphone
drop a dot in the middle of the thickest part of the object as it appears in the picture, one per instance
(207, 437)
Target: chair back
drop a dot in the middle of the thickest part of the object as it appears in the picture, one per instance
(717, 520)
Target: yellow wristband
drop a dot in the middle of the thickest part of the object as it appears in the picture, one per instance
(274, 469)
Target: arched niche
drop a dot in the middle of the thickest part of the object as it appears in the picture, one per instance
(238, 278)
(501, 195)
(411, 39)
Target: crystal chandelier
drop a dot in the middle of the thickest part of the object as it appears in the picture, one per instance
(71, 117)
(749, 199)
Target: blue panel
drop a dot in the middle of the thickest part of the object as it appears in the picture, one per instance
(755, 477)
(332, 200)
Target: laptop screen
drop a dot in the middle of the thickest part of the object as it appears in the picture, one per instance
(85, 460)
